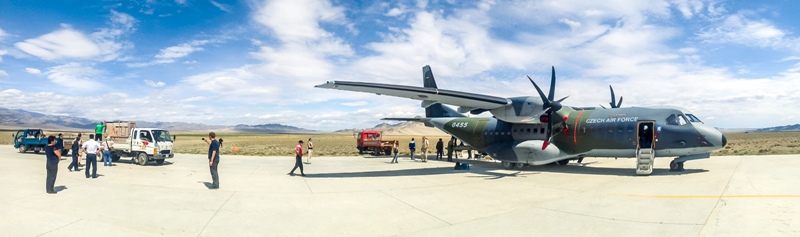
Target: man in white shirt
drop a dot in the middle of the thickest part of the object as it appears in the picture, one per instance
(92, 149)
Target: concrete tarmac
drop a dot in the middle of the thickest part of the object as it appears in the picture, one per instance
(368, 196)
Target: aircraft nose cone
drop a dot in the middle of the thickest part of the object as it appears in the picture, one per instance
(724, 141)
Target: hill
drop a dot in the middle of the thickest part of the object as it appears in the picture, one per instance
(15, 119)
(786, 128)
(404, 128)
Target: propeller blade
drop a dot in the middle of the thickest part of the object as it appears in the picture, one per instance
(620, 102)
(552, 85)
(602, 106)
(613, 98)
(545, 102)
(562, 99)
(549, 133)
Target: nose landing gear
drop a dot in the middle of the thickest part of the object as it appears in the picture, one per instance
(675, 166)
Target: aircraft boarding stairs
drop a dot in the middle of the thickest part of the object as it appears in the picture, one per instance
(644, 161)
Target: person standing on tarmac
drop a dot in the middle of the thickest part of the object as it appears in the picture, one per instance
(298, 152)
(108, 145)
(213, 158)
(76, 154)
(395, 148)
(413, 147)
(53, 157)
(439, 149)
(424, 149)
(309, 151)
(60, 142)
(92, 149)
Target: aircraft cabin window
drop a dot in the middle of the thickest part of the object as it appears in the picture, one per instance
(672, 120)
(529, 130)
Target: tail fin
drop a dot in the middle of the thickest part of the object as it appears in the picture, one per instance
(432, 108)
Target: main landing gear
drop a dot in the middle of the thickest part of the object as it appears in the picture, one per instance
(510, 166)
(675, 166)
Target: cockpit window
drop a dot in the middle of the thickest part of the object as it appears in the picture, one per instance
(676, 119)
(693, 119)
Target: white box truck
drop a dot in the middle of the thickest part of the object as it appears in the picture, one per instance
(141, 144)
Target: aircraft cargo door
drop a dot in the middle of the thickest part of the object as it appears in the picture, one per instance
(645, 135)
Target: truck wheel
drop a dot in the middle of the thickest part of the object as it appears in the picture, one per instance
(37, 150)
(360, 151)
(115, 158)
(387, 152)
(160, 162)
(23, 148)
(376, 152)
(141, 158)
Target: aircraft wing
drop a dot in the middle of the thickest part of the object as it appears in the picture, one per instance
(457, 98)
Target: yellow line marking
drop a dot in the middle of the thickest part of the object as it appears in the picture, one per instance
(702, 196)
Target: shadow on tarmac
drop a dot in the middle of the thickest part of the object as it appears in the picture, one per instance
(488, 170)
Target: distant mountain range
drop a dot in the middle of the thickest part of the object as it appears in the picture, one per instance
(786, 128)
(25, 119)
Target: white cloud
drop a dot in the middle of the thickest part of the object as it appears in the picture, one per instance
(355, 103)
(221, 6)
(395, 12)
(33, 71)
(63, 43)
(172, 53)
(68, 43)
(3, 73)
(739, 29)
(2, 52)
(3, 34)
(790, 58)
(152, 83)
(75, 75)
(180, 2)
(572, 24)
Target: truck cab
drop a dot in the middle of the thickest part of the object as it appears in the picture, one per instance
(30, 139)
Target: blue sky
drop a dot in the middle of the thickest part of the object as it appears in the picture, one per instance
(734, 63)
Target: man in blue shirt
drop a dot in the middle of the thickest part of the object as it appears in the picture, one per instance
(213, 158)
(60, 142)
(53, 156)
(413, 147)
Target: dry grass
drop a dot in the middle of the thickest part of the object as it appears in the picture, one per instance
(770, 143)
(345, 144)
(283, 144)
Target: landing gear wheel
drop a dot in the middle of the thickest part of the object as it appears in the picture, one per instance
(563, 162)
(23, 148)
(507, 165)
(520, 166)
(160, 162)
(141, 158)
(680, 166)
(675, 166)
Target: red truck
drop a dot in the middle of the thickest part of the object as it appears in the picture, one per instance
(370, 141)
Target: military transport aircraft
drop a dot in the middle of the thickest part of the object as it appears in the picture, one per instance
(522, 128)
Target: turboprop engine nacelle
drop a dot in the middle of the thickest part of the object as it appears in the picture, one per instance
(521, 110)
